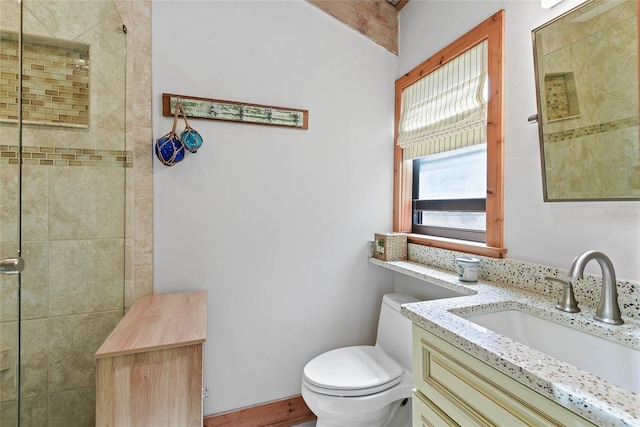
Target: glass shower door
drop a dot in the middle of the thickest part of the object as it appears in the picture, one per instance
(63, 166)
(9, 214)
(10, 266)
(9, 279)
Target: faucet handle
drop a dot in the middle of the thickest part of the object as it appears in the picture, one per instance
(567, 301)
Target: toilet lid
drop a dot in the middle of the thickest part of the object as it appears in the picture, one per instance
(352, 371)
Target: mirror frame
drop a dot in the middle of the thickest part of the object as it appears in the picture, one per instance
(538, 116)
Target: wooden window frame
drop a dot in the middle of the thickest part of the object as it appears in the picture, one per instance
(492, 30)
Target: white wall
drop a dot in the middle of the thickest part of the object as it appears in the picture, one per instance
(273, 222)
(546, 233)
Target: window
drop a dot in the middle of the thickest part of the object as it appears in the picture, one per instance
(449, 194)
(448, 189)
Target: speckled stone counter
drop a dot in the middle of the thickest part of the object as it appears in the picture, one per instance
(597, 400)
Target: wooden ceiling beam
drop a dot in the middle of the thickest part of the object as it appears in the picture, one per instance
(401, 4)
(375, 19)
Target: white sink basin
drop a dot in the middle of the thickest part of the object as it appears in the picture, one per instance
(608, 360)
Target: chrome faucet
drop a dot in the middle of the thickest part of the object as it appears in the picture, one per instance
(608, 310)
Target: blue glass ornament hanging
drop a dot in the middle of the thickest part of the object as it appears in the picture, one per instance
(190, 137)
(169, 149)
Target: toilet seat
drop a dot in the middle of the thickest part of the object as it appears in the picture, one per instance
(352, 371)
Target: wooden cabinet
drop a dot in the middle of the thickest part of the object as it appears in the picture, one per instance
(149, 370)
(454, 388)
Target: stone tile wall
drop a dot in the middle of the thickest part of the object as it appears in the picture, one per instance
(136, 15)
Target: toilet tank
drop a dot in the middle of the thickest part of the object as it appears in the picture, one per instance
(394, 330)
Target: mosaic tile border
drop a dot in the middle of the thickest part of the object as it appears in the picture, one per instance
(590, 130)
(50, 156)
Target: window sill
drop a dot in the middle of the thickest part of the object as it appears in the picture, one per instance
(457, 245)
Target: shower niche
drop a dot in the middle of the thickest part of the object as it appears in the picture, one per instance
(561, 96)
(55, 80)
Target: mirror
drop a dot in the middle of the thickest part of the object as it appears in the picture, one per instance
(586, 64)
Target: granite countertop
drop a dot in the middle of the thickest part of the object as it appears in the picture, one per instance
(598, 400)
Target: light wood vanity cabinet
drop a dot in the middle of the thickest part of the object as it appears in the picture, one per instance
(149, 370)
(454, 388)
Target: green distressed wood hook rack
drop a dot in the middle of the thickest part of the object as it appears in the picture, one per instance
(232, 111)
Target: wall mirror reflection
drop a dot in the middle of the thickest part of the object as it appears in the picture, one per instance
(586, 64)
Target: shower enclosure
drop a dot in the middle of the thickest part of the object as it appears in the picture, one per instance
(63, 162)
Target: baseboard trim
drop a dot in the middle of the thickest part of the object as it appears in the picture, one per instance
(278, 413)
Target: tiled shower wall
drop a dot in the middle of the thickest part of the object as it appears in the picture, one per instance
(71, 301)
(136, 15)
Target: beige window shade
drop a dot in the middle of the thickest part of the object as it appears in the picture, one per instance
(446, 109)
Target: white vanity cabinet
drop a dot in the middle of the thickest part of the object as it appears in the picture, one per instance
(454, 388)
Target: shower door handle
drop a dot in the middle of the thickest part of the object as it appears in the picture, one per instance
(11, 265)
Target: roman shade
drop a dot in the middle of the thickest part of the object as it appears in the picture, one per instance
(446, 109)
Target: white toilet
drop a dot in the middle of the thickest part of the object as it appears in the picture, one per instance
(365, 386)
